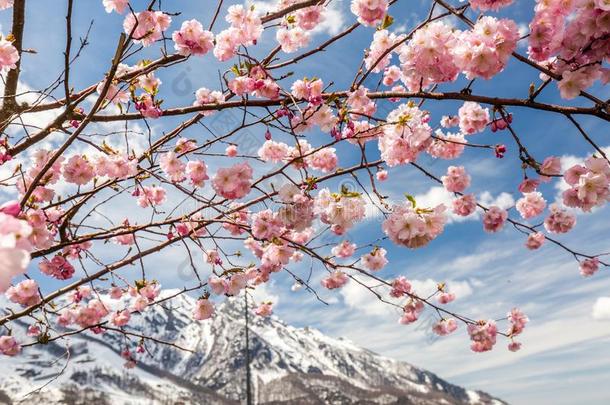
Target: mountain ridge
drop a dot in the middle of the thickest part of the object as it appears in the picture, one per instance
(288, 365)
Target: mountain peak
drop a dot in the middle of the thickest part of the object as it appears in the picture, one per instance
(288, 365)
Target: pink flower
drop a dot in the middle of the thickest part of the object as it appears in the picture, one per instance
(588, 267)
(148, 107)
(531, 205)
(245, 29)
(197, 172)
(514, 346)
(342, 211)
(535, 240)
(413, 227)
(369, 12)
(494, 219)
(559, 220)
(310, 90)
(473, 118)
(12, 208)
(380, 53)
(272, 151)
(205, 96)
(233, 182)
(411, 311)
(149, 28)
(375, 260)
(266, 225)
(58, 268)
(427, 58)
(344, 249)
(484, 50)
(382, 175)
(337, 279)
(121, 318)
(25, 293)
(116, 293)
(151, 196)
(192, 39)
(456, 180)
(486, 5)
(445, 327)
(406, 137)
(9, 346)
(78, 170)
(465, 205)
(446, 298)
(115, 5)
(231, 151)
(4, 4)
(324, 160)
(529, 185)
(551, 166)
(264, 309)
(172, 166)
(483, 335)
(400, 287)
(517, 321)
(448, 146)
(8, 55)
(204, 309)
(293, 39)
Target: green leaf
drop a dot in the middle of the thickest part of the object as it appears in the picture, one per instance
(411, 199)
(387, 21)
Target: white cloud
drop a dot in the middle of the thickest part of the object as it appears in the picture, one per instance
(503, 200)
(601, 309)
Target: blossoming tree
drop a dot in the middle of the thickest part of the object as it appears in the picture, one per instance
(68, 178)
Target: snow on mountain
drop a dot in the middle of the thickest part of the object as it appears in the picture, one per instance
(288, 366)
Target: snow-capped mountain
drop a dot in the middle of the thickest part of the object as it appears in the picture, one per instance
(288, 366)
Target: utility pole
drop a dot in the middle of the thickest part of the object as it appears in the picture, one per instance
(248, 377)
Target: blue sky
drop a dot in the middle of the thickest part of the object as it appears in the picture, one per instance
(560, 362)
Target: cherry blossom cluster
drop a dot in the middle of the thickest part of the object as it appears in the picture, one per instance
(414, 227)
(572, 39)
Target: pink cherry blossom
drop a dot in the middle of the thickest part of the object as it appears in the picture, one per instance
(427, 58)
(78, 170)
(473, 118)
(382, 175)
(204, 309)
(531, 205)
(535, 240)
(337, 279)
(413, 227)
(369, 12)
(9, 346)
(121, 318)
(445, 327)
(483, 335)
(192, 39)
(341, 210)
(58, 267)
(588, 267)
(486, 5)
(445, 297)
(115, 5)
(456, 180)
(375, 260)
(411, 311)
(151, 196)
(400, 287)
(406, 136)
(233, 182)
(559, 220)
(172, 166)
(494, 219)
(465, 205)
(517, 320)
(4, 4)
(272, 151)
(344, 249)
(149, 28)
(8, 55)
(25, 293)
(265, 309)
(197, 172)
